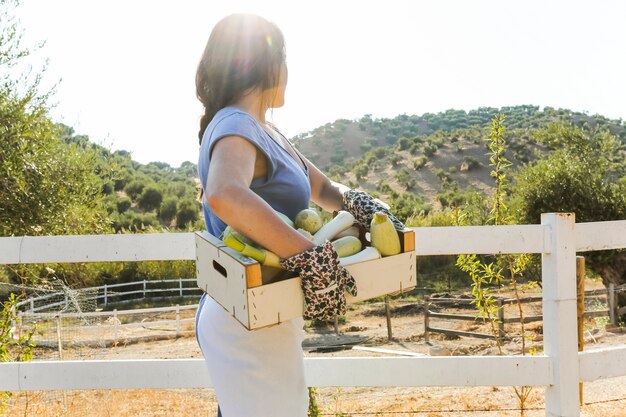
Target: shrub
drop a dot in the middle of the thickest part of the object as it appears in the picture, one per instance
(123, 204)
(470, 163)
(379, 152)
(150, 199)
(419, 163)
(168, 209)
(430, 149)
(394, 160)
(404, 143)
(188, 211)
(360, 171)
(134, 189)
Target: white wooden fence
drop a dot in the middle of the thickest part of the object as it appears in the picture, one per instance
(114, 293)
(559, 369)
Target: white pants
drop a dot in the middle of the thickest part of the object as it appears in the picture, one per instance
(256, 373)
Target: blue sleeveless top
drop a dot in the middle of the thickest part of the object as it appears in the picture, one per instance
(286, 188)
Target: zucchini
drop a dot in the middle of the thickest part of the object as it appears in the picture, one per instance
(368, 254)
(347, 246)
(384, 236)
(341, 222)
(350, 231)
(263, 256)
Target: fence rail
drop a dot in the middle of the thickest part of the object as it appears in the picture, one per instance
(107, 293)
(559, 370)
(612, 312)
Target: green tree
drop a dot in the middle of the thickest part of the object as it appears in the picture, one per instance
(123, 204)
(13, 347)
(484, 274)
(419, 163)
(580, 174)
(188, 211)
(168, 209)
(150, 199)
(395, 159)
(134, 188)
(47, 186)
(584, 173)
(404, 143)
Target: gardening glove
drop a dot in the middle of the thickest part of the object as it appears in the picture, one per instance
(323, 281)
(363, 206)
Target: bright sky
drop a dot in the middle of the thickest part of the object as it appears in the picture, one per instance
(127, 67)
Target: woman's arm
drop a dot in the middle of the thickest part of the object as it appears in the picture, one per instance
(229, 196)
(325, 193)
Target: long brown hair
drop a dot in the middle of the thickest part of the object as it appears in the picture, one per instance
(244, 51)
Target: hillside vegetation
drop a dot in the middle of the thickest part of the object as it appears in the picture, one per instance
(425, 161)
(422, 165)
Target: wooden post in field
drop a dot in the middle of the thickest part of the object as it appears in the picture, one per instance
(580, 296)
(388, 314)
(500, 320)
(19, 325)
(177, 320)
(59, 344)
(612, 303)
(426, 311)
(115, 327)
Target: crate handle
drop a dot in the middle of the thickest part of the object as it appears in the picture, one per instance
(219, 268)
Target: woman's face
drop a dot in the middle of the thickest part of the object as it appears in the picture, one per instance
(278, 93)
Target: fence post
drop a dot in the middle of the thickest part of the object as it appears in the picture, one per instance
(106, 294)
(60, 345)
(177, 320)
(558, 275)
(500, 320)
(180, 286)
(388, 314)
(115, 327)
(144, 288)
(19, 325)
(426, 311)
(32, 305)
(612, 305)
(580, 307)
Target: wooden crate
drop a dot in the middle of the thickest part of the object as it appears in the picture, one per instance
(259, 297)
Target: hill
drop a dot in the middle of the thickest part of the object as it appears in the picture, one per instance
(420, 159)
(142, 196)
(414, 162)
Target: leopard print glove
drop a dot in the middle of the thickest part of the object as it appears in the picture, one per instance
(323, 281)
(363, 206)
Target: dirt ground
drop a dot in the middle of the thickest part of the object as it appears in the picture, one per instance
(363, 329)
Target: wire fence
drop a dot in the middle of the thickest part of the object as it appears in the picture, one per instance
(59, 297)
(72, 333)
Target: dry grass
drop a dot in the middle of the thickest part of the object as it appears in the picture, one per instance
(361, 401)
(401, 402)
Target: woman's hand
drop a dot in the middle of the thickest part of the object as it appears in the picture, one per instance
(363, 206)
(324, 281)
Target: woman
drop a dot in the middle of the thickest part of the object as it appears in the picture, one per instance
(249, 170)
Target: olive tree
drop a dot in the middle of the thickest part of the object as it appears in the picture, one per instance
(583, 173)
(47, 186)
